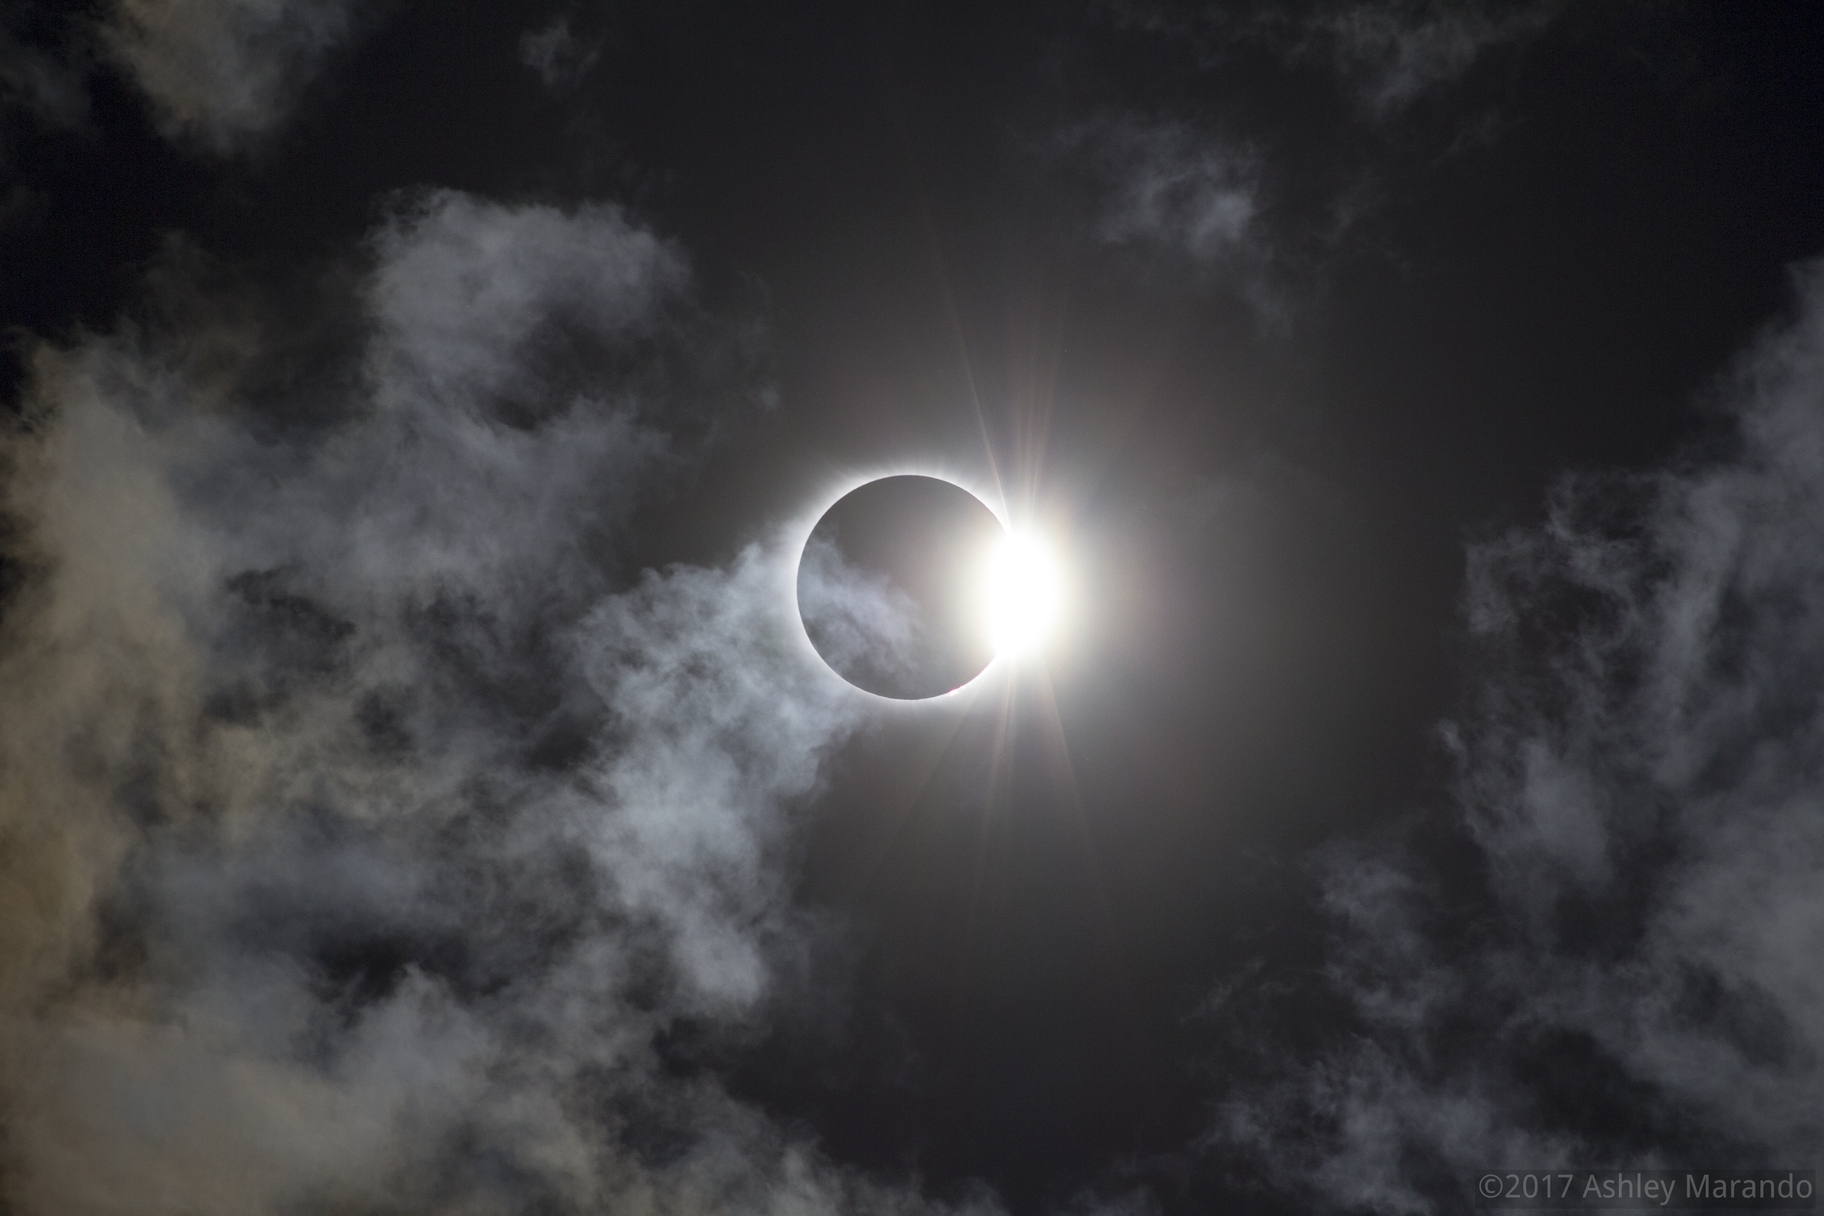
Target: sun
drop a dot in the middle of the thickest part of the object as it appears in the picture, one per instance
(1019, 592)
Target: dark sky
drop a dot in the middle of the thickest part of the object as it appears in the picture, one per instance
(417, 794)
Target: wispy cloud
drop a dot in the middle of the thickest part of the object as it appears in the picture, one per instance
(1170, 185)
(862, 624)
(1625, 971)
(1387, 53)
(361, 824)
(1177, 192)
(1394, 53)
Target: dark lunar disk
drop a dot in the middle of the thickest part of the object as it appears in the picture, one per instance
(889, 586)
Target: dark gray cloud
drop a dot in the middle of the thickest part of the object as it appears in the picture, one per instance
(219, 75)
(1391, 54)
(1386, 53)
(223, 74)
(1619, 968)
(560, 58)
(1171, 187)
(1240, 202)
(49, 87)
(363, 826)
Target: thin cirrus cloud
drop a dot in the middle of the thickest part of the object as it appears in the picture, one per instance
(1638, 784)
(360, 818)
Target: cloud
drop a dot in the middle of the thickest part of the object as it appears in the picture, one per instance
(362, 824)
(864, 625)
(1236, 211)
(49, 88)
(1168, 185)
(223, 74)
(1177, 192)
(1387, 53)
(1620, 966)
(1393, 54)
(559, 57)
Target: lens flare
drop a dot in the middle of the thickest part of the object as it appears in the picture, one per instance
(1020, 593)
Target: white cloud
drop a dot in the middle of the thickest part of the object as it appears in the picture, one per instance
(359, 828)
(1641, 781)
(862, 624)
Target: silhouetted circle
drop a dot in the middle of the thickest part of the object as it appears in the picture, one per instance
(890, 586)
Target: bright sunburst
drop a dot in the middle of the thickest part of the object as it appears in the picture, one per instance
(1020, 593)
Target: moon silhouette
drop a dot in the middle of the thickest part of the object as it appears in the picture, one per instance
(889, 586)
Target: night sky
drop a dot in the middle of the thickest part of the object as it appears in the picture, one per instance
(419, 792)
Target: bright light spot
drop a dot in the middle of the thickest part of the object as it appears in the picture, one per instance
(1020, 593)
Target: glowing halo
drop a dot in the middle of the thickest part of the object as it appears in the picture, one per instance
(1000, 596)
